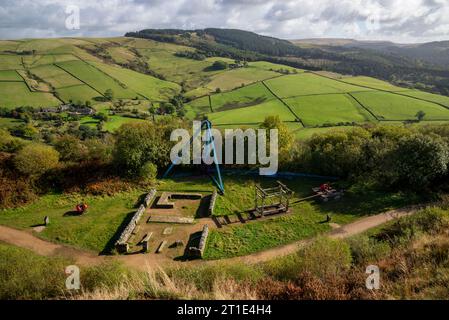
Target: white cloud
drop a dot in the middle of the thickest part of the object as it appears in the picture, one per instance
(396, 20)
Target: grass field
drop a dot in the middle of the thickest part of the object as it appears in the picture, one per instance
(373, 83)
(244, 97)
(15, 94)
(40, 60)
(147, 86)
(198, 107)
(96, 79)
(161, 58)
(10, 62)
(55, 76)
(254, 114)
(389, 106)
(234, 78)
(264, 65)
(9, 45)
(305, 221)
(443, 100)
(307, 133)
(94, 231)
(308, 84)
(121, 55)
(113, 123)
(78, 93)
(328, 109)
(10, 75)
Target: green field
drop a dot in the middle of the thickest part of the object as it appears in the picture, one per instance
(9, 45)
(10, 75)
(13, 94)
(308, 84)
(254, 114)
(244, 97)
(242, 76)
(373, 83)
(95, 230)
(443, 100)
(264, 65)
(198, 107)
(55, 76)
(78, 93)
(328, 109)
(10, 62)
(96, 79)
(113, 123)
(147, 86)
(39, 60)
(307, 133)
(389, 106)
(305, 221)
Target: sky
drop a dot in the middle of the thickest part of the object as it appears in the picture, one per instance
(403, 21)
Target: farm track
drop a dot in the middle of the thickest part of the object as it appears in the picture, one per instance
(25, 239)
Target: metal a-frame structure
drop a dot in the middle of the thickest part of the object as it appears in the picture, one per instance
(209, 145)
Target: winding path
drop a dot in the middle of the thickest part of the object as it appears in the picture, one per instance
(27, 240)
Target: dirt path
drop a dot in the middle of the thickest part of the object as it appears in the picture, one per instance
(27, 240)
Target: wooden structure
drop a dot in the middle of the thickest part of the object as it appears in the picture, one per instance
(264, 205)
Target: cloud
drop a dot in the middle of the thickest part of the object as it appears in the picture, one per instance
(396, 20)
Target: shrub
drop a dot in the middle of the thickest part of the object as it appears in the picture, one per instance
(8, 143)
(24, 275)
(70, 148)
(367, 250)
(36, 159)
(325, 258)
(429, 221)
(148, 172)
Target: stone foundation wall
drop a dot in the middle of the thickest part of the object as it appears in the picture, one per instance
(122, 244)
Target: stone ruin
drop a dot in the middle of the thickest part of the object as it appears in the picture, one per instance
(213, 199)
(122, 244)
(198, 252)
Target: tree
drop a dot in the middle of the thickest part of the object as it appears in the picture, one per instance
(284, 135)
(70, 148)
(109, 94)
(420, 115)
(420, 160)
(152, 110)
(219, 65)
(36, 159)
(139, 143)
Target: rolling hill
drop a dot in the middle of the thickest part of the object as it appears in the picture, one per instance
(156, 66)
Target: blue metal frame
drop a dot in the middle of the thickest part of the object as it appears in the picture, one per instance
(210, 143)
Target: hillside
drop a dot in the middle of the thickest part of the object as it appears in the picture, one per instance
(143, 72)
(402, 67)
